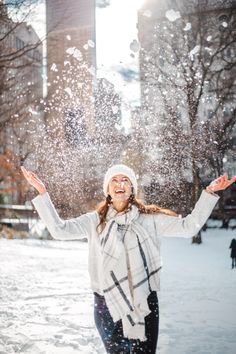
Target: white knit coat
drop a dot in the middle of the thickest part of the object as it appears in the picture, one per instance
(157, 225)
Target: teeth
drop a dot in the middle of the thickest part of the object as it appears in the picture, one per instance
(119, 191)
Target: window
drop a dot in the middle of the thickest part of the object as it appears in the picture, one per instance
(229, 53)
(224, 22)
(226, 112)
(19, 43)
(210, 114)
(37, 55)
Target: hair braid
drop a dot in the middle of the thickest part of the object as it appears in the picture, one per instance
(103, 207)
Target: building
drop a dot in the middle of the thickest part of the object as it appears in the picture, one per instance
(71, 63)
(21, 90)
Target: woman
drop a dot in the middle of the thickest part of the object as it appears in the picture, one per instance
(124, 257)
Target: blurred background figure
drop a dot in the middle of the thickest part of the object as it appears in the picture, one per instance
(233, 252)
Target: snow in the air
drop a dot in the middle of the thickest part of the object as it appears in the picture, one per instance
(54, 67)
(75, 52)
(46, 305)
(147, 13)
(194, 51)
(188, 26)
(135, 46)
(91, 43)
(172, 15)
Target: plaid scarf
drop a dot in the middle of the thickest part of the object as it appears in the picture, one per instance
(131, 265)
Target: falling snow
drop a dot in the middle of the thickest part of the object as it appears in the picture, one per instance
(194, 51)
(135, 46)
(68, 90)
(75, 52)
(54, 67)
(187, 27)
(172, 15)
(147, 13)
(115, 109)
(91, 43)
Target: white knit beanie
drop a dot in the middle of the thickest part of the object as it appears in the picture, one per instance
(120, 170)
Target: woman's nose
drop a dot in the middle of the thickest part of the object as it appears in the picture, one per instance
(120, 183)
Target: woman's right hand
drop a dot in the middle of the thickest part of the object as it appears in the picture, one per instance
(33, 179)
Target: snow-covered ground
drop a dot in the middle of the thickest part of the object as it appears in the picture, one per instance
(46, 306)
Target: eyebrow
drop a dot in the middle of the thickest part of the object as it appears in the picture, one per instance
(115, 178)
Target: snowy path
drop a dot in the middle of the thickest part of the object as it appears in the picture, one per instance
(198, 296)
(46, 306)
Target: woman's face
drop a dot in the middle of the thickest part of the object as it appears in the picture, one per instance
(120, 188)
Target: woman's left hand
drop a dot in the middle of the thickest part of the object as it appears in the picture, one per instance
(220, 184)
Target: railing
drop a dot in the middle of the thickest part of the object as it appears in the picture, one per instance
(14, 215)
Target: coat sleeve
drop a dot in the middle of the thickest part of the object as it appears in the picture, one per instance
(190, 225)
(72, 229)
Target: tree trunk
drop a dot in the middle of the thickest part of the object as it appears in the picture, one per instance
(195, 195)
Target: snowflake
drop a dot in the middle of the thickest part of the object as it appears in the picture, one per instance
(172, 15)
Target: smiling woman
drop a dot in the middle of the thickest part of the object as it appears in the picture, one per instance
(124, 254)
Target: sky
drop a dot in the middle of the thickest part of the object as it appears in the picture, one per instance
(114, 54)
(116, 28)
(116, 60)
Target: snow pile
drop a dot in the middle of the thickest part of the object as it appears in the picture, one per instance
(47, 305)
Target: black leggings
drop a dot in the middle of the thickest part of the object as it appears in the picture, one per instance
(112, 333)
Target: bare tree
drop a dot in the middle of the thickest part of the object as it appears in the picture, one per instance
(21, 83)
(20, 60)
(188, 70)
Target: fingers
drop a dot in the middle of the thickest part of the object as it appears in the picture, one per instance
(223, 182)
(25, 172)
(30, 176)
(35, 176)
(223, 178)
(232, 180)
(23, 169)
(33, 180)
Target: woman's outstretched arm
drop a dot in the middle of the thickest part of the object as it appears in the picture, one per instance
(34, 180)
(190, 225)
(71, 229)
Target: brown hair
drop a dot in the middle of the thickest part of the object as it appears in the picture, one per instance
(103, 207)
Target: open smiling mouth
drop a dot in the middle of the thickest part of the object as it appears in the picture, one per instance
(119, 191)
